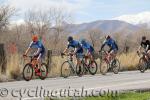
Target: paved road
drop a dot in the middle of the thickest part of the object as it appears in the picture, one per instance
(53, 86)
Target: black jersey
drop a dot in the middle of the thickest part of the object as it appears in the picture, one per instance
(145, 44)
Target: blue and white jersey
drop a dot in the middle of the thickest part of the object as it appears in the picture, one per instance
(111, 43)
(75, 44)
(37, 45)
(87, 46)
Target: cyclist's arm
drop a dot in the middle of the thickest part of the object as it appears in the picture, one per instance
(29, 48)
(102, 46)
(66, 50)
(139, 49)
(147, 47)
(27, 51)
(116, 45)
(104, 43)
(38, 51)
(75, 51)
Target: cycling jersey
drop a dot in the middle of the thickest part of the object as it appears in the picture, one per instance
(145, 44)
(111, 43)
(75, 44)
(37, 45)
(87, 46)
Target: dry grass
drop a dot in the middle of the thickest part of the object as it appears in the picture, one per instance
(15, 65)
(55, 67)
(128, 61)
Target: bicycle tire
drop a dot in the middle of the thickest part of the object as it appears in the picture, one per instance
(28, 65)
(69, 69)
(116, 67)
(142, 67)
(90, 67)
(42, 77)
(81, 70)
(103, 64)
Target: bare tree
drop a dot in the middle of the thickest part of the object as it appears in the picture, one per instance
(94, 36)
(6, 12)
(38, 21)
(60, 18)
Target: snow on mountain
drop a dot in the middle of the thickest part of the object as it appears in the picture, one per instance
(140, 18)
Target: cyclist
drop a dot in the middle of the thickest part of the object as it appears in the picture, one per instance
(39, 54)
(145, 44)
(89, 49)
(112, 45)
(78, 51)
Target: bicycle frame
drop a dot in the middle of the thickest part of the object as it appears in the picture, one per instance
(34, 62)
(144, 55)
(106, 59)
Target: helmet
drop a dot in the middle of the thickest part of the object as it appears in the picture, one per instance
(107, 37)
(34, 38)
(33, 32)
(82, 41)
(143, 37)
(70, 38)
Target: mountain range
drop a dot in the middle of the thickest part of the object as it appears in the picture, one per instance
(125, 24)
(106, 26)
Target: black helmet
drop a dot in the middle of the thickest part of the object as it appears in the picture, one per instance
(107, 37)
(70, 38)
(82, 41)
(143, 37)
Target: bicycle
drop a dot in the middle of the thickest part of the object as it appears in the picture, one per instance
(143, 64)
(106, 65)
(85, 68)
(32, 67)
(68, 66)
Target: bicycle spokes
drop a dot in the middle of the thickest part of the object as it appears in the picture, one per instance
(28, 72)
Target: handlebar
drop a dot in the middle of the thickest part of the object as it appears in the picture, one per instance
(102, 53)
(29, 56)
(63, 54)
(143, 53)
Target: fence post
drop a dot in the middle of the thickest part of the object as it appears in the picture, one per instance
(3, 60)
(49, 58)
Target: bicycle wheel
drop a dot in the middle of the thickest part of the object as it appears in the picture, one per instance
(92, 68)
(103, 67)
(142, 66)
(80, 70)
(43, 71)
(115, 66)
(66, 69)
(27, 72)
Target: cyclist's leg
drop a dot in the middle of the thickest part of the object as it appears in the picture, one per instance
(78, 57)
(39, 59)
(148, 55)
(112, 54)
(87, 56)
(148, 52)
(91, 56)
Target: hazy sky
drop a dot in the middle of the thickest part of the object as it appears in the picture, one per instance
(86, 10)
